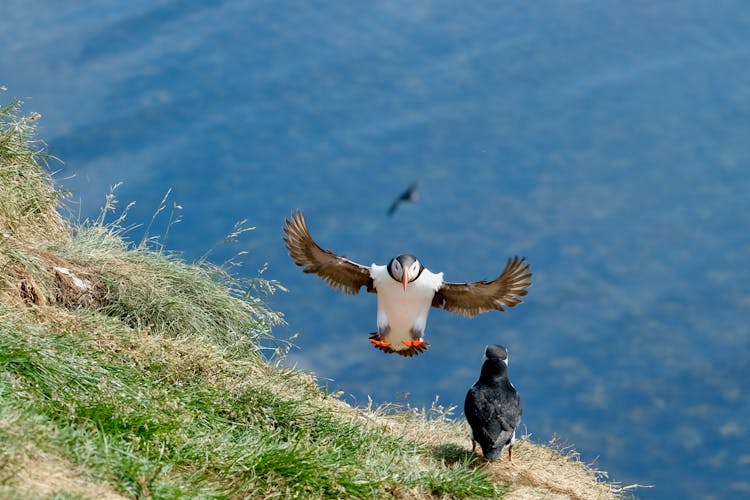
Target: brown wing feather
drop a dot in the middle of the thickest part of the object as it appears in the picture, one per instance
(471, 299)
(335, 270)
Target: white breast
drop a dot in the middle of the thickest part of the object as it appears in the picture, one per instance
(403, 310)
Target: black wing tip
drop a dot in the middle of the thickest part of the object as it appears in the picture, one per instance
(519, 262)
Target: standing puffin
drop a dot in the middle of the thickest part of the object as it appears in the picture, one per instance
(405, 288)
(493, 406)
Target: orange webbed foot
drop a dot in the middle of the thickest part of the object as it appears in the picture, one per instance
(413, 343)
(380, 343)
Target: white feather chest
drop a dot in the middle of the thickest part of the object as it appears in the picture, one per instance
(403, 310)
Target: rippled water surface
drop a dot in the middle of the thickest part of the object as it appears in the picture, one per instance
(605, 141)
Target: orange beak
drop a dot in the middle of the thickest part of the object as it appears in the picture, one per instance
(405, 279)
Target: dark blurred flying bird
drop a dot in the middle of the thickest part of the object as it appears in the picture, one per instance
(493, 406)
(405, 288)
(410, 195)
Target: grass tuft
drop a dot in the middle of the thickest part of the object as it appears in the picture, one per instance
(28, 198)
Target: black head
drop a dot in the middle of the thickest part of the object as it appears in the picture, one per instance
(495, 351)
(405, 268)
(495, 362)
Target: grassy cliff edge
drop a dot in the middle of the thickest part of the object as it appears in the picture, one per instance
(126, 372)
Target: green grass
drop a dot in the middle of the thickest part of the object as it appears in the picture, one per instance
(152, 384)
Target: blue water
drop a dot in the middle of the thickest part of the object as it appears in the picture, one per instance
(608, 142)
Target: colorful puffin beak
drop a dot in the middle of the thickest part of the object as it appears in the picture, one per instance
(405, 279)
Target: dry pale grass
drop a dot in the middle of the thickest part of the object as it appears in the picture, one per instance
(543, 472)
(43, 278)
(537, 471)
(42, 475)
(196, 356)
(28, 198)
(26, 471)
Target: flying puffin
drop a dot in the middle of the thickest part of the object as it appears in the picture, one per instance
(410, 195)
(493, 406)
(405, 288)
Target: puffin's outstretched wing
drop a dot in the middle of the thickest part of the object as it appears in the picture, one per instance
(471, 299)
(335, 270)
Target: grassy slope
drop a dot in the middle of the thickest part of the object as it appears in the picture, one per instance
(125, 372)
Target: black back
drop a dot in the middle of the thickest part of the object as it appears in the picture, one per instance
(493, 406)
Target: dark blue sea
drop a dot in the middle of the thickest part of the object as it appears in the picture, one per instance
(606, 141)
